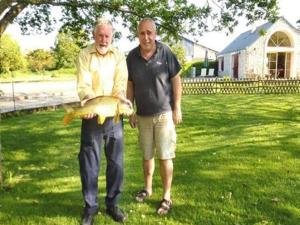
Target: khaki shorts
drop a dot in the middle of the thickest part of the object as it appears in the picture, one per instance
(157, 136)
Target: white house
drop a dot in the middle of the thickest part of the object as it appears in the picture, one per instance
(272, 50)
(195, 51)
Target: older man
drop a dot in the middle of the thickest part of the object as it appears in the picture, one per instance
(154, 83)
(101, 70)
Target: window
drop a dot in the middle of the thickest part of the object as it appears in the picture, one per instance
(279, 64)
(279, 39)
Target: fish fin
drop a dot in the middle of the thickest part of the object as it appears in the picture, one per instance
(116, 118)
(68, 108)
(101, 119)
(117, 115)
(68, 118)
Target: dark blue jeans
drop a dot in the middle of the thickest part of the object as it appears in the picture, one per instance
(93, 136)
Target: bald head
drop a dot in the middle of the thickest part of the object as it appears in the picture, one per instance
(148, 21)
(147, 36)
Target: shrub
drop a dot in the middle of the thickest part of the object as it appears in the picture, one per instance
(179, 51)
(40, 60)
(11, 58)
(199, 65)
(66, 51)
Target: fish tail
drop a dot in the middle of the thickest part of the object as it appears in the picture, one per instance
(68, 118)
(117, 114)
(116, 119)
(101, 119)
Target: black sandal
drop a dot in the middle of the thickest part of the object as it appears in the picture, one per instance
(164, 207)
(141, 195)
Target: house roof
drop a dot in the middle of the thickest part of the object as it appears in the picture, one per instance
(249, 37)
(196, 43)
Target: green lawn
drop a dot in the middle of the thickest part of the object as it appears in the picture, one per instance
(238, 163)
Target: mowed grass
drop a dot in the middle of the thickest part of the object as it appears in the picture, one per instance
(237, 163)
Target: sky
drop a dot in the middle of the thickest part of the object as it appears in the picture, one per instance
(214, 40)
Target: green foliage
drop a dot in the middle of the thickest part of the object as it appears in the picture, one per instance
(173, 18)
(65, 51)
(40, 60)
(237, 162)
(199, 65)
(262, 32)
(80, 37)
(6, 182)
(253, 10)
(11, 58)
(179, 51)
(185, 71)
(1, 170)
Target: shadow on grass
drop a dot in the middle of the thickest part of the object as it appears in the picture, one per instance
(237, 162)
(219, 188)
(41, 157)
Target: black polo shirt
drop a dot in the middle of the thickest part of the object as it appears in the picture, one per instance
(152, 79)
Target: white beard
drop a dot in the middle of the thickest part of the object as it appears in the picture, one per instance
(102, 50)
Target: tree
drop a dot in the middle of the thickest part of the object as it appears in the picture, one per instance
(40, 60)
(11, 57)
(174, 17)
(65, 51)
(178, 49)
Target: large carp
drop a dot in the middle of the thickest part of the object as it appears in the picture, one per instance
(102, 106)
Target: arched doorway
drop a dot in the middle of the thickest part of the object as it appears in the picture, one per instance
(279, 55)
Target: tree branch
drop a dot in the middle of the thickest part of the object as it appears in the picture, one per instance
(10, 15)
(182, 18)
(4, 5)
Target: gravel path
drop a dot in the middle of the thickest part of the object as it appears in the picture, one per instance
(30, 95)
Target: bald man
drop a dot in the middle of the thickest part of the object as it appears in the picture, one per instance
(154, 85)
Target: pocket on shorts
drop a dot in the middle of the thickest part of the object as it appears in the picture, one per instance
(166, 136)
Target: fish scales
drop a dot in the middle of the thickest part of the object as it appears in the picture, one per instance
(102, 106)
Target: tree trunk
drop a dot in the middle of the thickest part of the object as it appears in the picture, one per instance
(9, 13)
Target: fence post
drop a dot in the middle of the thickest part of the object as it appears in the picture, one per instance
(13, 89)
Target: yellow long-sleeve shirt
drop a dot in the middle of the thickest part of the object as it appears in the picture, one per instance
(99, 75)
